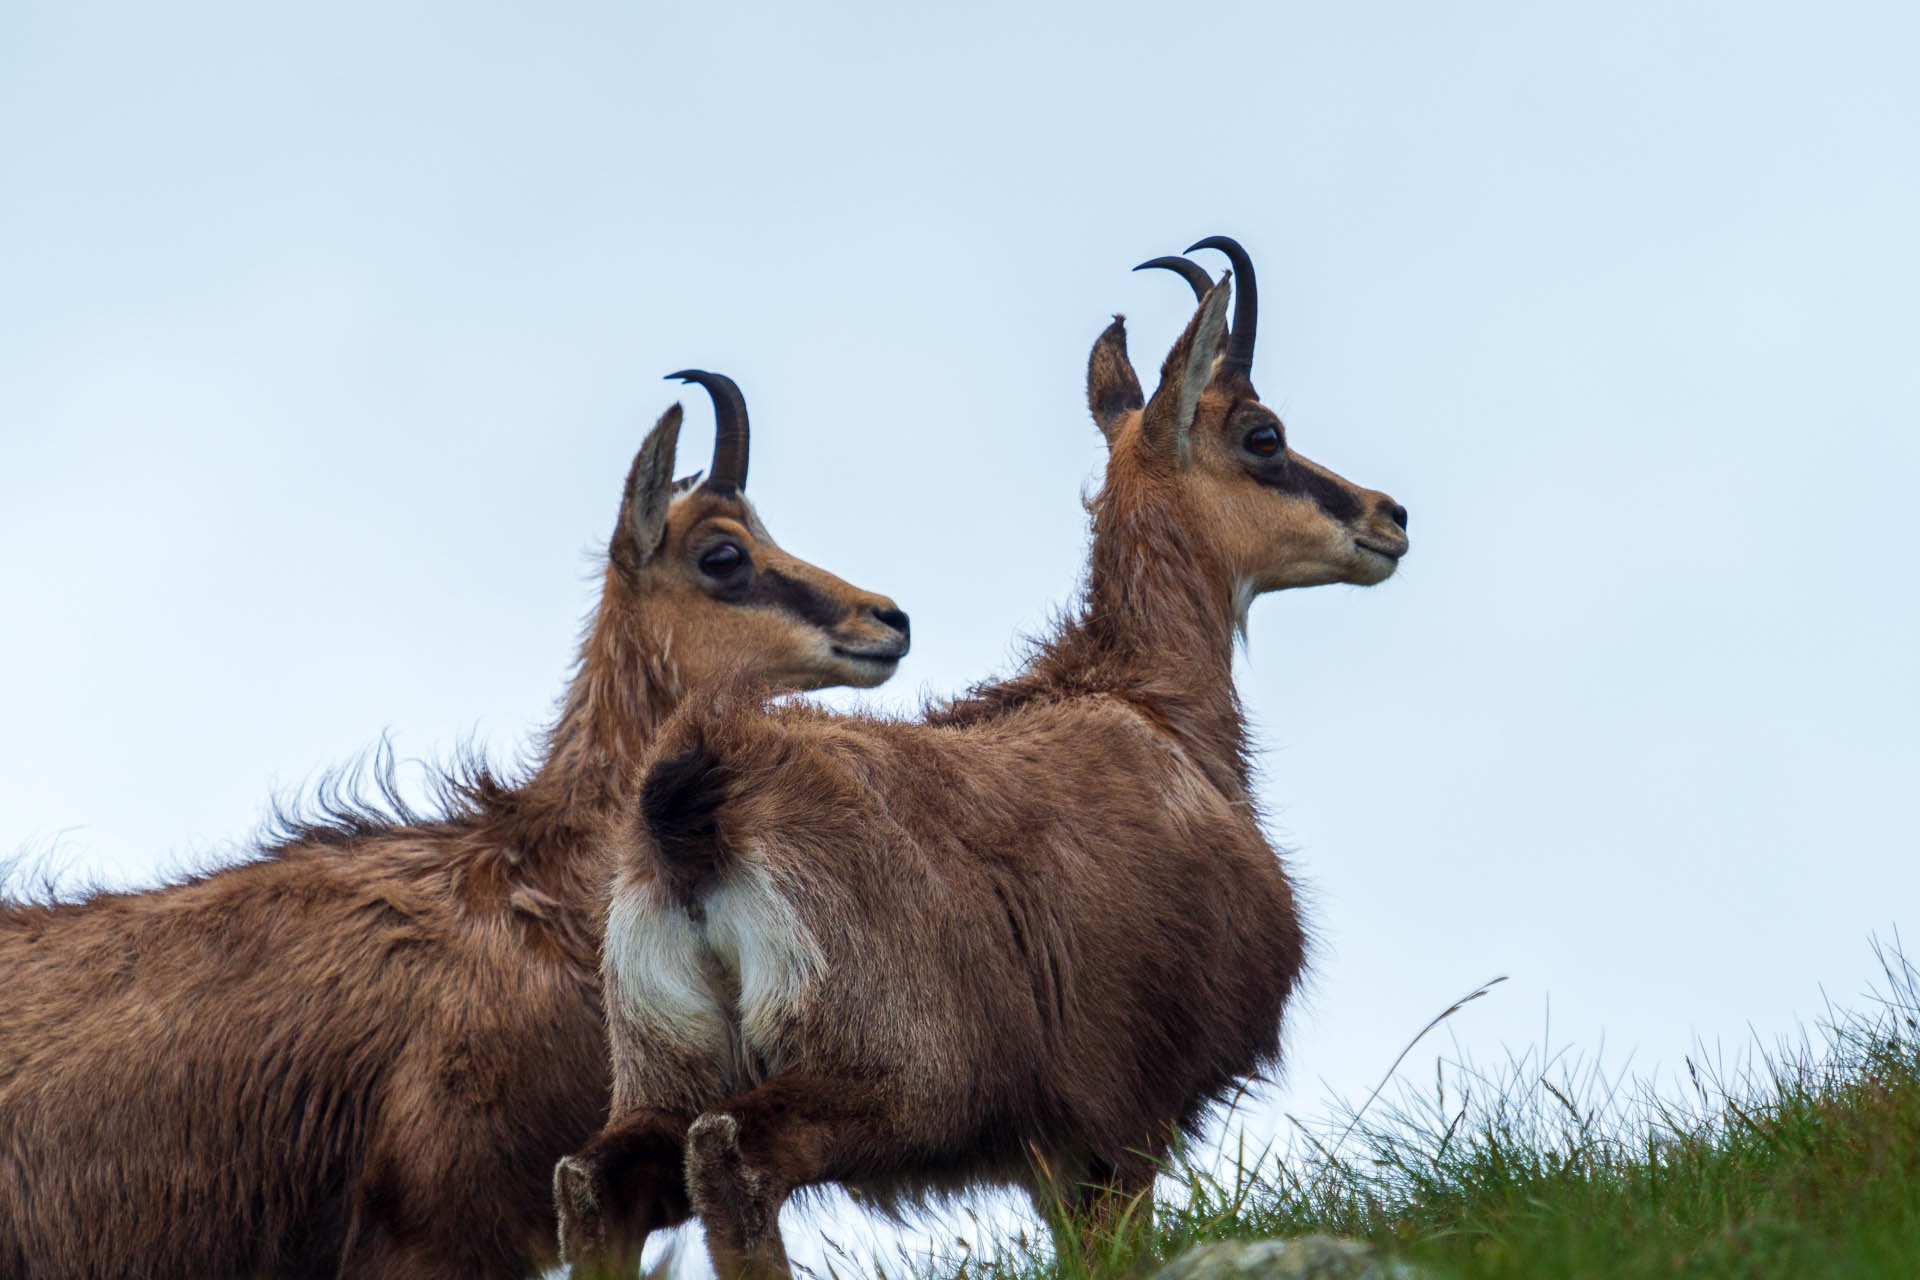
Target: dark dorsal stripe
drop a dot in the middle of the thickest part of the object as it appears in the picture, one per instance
(678, 802)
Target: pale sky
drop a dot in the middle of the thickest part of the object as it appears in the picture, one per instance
(326, 337)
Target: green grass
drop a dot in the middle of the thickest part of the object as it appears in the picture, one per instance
(1802, 1161)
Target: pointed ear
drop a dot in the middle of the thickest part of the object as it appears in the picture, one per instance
(643, 511)
(1113, 389)
(1184, 375)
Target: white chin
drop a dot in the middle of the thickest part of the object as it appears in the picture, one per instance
(865, 673)
(1372, 567)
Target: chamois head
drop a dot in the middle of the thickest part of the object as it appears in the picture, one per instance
(1278, 519)
(692, 562)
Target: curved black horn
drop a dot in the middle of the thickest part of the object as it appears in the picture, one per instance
(1246, 301)
(1190, 271)
(729, 470)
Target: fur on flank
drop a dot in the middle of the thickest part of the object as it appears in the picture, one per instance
(361, 1052)
(1037, 933)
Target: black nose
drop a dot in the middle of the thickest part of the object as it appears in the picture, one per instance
(895, 618)
(1398, 514)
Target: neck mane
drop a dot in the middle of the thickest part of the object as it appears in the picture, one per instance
(1155, 628)
(529, 847)
(625, 686)
(532, 847)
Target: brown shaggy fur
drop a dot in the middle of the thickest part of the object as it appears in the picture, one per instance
(1038, 932)
(361, 1053)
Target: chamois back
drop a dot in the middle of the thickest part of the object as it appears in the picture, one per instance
(1029, 938)
(361, 1052)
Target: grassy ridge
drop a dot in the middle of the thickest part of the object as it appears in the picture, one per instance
(1803, 1162)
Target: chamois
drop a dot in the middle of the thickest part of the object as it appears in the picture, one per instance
(360, 1053)
(1033, 936)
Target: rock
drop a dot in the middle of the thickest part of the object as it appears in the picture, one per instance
(1307, 1258)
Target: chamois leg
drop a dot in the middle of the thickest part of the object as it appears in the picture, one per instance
(746, 1156)
(620, 1187)
(1114, 1197)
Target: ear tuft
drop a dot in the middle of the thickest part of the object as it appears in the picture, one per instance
(1113, 389)
(1185, 373)
(650, 489)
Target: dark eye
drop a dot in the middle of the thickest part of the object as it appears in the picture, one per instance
(722, 560)
(1264, 441)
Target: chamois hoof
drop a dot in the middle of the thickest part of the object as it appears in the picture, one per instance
(725, 1189)
(583, 1226)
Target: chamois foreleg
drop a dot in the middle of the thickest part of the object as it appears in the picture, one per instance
(746, 1156)
(1114, 1199)
(618, 1189)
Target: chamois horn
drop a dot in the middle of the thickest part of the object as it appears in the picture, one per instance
(1246, 301)
(1190, 271)
(729, 471)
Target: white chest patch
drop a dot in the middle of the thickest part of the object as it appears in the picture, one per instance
(1243, 594)
(720, 989)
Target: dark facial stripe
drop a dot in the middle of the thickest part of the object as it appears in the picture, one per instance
(771, 589)
(1289, 475)
(1285, 472)
(1332, 497)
